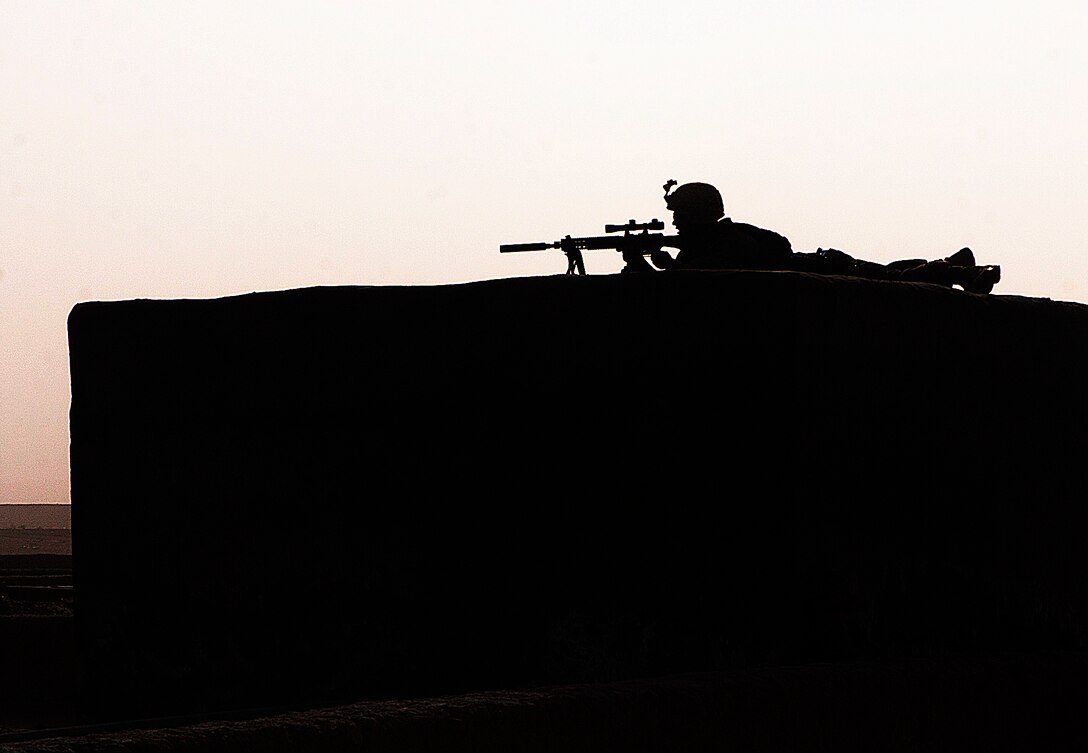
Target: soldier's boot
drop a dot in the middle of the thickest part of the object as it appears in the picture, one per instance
(981, 279)
(962, 258)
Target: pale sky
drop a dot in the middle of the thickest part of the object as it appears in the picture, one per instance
(200, 149)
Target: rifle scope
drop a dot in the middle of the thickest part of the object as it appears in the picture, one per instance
(632, 226)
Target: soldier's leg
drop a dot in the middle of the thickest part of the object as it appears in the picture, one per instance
(905, 263)
(841, 263)
(973, 279)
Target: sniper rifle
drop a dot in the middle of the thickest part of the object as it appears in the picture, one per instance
(633, 244)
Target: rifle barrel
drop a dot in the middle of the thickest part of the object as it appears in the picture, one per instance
(511, 247)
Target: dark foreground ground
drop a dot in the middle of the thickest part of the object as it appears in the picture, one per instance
(1010, 703)
(955, 702)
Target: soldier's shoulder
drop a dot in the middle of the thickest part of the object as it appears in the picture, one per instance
(764, 237)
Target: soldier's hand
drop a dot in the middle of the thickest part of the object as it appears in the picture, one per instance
(661, 259)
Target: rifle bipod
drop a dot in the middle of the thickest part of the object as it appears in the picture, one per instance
(575, 265)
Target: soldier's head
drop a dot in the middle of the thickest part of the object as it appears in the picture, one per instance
(694, 205)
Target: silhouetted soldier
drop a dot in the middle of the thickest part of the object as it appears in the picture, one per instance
(713, 241)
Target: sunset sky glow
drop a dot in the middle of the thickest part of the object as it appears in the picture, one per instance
(200, 149)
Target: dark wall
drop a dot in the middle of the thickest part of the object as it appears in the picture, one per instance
(406, 490)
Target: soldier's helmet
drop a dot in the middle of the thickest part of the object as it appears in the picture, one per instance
(699, 201)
